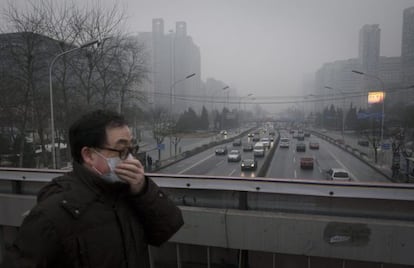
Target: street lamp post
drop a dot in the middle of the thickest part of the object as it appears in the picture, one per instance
(172, 86)
(52, 119)
(383, 100)
(343, 110)
(213, 102)
(171, 102)
(241, 98)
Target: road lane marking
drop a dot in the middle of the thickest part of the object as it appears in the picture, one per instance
(219, 163)
(344, 167)
(232, 172)
(195, 164)
(294, 174)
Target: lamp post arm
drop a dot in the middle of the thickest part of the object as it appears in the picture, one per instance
(52, 120)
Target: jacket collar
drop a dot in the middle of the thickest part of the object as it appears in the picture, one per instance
(96, 183)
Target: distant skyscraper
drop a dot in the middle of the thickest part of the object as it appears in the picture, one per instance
(174, 56)
(369, 53)
(407, 47)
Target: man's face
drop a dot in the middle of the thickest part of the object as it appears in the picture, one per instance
(118, 138)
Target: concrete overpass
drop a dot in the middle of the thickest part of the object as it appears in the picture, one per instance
(260, 222)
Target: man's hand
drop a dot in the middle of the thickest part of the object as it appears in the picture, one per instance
(132, 172)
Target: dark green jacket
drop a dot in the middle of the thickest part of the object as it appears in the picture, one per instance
(82, 221)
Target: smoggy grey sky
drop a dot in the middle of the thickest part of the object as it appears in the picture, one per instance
(268, 47)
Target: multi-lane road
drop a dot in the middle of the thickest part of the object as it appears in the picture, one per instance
(285, 163)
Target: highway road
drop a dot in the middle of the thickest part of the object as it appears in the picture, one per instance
(208, 163)
(284, 164)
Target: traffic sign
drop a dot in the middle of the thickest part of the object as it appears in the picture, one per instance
(386, 146)
(161, 146)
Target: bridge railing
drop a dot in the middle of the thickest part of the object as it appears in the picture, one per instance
(319, 219)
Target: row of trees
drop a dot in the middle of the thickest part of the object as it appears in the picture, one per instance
(359, 119)
(108, 76)
(398, 122)
(163, 124)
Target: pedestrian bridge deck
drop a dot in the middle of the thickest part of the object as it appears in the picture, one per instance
(261, 222)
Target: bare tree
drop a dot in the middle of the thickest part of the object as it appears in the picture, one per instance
(26, 51)
(132, 71)
(86, 79)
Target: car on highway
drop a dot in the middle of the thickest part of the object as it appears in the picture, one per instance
(223, 132)
(300, 147)
(284, 143)
(256, 137)
(234, 156)
(314, 145)
(221, 150)
(248, 164)
(306, 162)
(259, 149)
(265, 141)
(338, 174)
(248, 147)
(237, 142)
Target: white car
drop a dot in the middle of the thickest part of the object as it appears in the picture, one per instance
(265, 141)
(338, 174)
(284, 143)
(259, 149)
(234, 156)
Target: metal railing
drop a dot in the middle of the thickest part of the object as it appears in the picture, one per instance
(319, 219)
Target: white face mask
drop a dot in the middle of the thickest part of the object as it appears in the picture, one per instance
(111, 176)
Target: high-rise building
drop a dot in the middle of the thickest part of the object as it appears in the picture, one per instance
(174, 56)
(369, 53)
(407, 47)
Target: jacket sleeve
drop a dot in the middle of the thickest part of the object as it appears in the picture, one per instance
(36, 245)
(159, 215)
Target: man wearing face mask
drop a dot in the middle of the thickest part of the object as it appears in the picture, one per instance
(104, 213)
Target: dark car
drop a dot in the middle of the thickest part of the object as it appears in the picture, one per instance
(306, 162)
(314, 145)
(237, 142)
(300, 147)
(221, 150)
(248, 164)
(248, 147)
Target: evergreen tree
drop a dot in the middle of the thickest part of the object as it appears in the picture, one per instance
(204, 123)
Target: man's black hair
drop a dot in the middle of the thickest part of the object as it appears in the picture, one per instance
(90, 131)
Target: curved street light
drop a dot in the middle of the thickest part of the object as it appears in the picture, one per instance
(52, 119)
(172, 86)
(171, 101)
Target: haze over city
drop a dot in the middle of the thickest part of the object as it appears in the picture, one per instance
(268, 47)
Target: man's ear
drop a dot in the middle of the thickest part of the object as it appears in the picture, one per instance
(87, 156)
